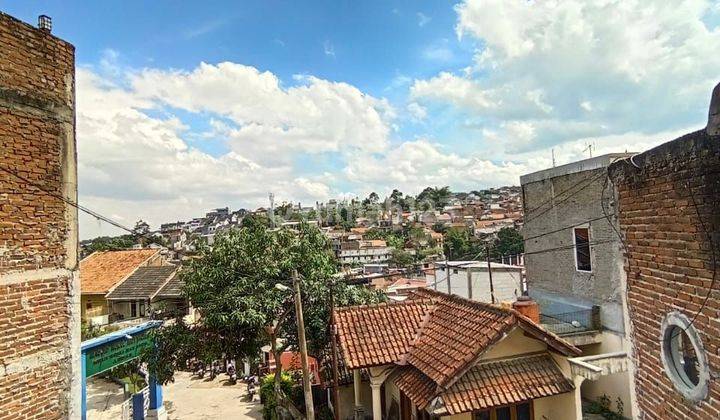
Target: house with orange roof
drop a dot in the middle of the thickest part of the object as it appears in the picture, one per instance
(101, 272)
(436, 355)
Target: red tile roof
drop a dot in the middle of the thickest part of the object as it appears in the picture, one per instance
(504, 382)
(102, 270)
(488, 384)
(458, 331)
(439, 339)
(377, 335)
(418, 387)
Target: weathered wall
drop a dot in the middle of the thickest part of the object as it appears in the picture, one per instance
(669, 209)
(507, 283)
(552, 275)
(39, 286)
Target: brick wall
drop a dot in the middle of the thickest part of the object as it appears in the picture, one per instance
(669, 262)
(39, 285)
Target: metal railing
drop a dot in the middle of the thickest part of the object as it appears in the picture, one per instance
(572, 322)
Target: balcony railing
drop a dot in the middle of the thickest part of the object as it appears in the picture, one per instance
(572, 322)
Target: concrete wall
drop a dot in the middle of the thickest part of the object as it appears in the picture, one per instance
(552, 275)
(614, 386)
(39, 282)
(346, 400)
(507, 283)
(669, 212)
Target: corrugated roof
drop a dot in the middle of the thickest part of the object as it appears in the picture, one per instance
(102, 270)
(143, 283)
(172, 289)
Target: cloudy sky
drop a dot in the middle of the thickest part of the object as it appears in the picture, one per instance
(186, 107)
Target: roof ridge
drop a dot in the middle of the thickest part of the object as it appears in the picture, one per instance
(382, 304)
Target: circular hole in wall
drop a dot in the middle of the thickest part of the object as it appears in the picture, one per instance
(683, 357)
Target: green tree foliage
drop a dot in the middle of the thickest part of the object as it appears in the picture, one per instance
(402, 259)
(107, 243)
(509, 242)
(233, 283)
(437, 197)
(267, 393)
(460, 245)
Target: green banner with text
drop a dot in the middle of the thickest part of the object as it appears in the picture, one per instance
(100, 359)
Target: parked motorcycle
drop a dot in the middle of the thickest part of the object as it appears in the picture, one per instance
(251, 388)
(232, 374)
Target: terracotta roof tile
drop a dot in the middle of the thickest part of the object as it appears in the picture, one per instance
(438, 339)
(457, 332)
(505, 381)
(102, 270)
(378, 334)
(417, 386)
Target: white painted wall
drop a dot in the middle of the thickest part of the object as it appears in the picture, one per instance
(507, 283)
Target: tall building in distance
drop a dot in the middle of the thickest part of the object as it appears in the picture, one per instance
(39, 278)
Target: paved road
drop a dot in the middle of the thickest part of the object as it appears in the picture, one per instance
(104, 399)
(194, 398)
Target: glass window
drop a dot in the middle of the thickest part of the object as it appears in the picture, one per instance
(503, 413)
(481, 415)
(523, 411)
(582, 249)
(683, 357)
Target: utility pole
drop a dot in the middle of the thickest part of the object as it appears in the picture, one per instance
(333, 332)
(309, 409)
(492, 289)
(447, 275)
(271, 196)
(553, 156)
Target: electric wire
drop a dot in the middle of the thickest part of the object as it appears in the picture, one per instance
(82, 208)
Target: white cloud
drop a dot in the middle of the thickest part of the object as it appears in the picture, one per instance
(329, 48)
(423, 19)
(417, 111)
(317, 116)
(438, 51)
(580, 68)
(135, 160)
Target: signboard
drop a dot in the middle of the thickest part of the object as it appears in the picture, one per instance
(116, 353)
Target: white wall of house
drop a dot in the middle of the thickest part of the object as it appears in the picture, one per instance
(507, 283)
(614, 386)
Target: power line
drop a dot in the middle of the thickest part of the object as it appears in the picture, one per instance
(65, 200)
(563, 228)
(555, 196)
(705, 231)
(587, 184)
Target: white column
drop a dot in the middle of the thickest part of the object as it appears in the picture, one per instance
(578, 380)
(376, 400)
(358, 411)
(356, 386)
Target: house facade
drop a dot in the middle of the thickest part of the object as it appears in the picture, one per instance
(574, 265)
(438, 355)
(148, 291)
(102, 271)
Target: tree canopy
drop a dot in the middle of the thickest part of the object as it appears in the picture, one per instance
(232, 285)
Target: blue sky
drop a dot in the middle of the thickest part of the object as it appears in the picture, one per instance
(184, 106)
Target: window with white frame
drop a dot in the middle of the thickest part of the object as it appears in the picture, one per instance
(581, 238)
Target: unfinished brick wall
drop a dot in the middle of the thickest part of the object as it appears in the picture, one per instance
(39, 335)
(669, 208)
